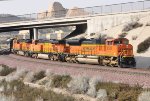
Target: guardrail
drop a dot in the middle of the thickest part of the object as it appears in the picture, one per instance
(105, 9)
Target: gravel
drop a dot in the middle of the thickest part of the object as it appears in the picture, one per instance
(107, 74)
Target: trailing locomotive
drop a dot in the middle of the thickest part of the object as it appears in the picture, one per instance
(113, 52)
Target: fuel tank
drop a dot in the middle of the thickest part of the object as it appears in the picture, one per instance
(20, 53)
(43, 56)
(87, 60)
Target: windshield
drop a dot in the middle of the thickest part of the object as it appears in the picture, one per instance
(126, 42)
(121, 42)
(117, 42)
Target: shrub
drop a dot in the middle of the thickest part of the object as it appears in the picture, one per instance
(34, 76)
(11, 86)
(38, 76)
(142, 47)
(5, 70)
(111, 88)
(48, 79)
(134, 37)
(131, 25)
(148, 24)
(26, 93)
(130, 95)
(60, 81)
(121, 92)
(78, 85)
(18, 75)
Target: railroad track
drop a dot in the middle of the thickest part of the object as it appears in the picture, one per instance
(129, 71)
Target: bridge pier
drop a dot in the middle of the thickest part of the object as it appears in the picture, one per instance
(31, 33)
(34, 33)
(80, 29)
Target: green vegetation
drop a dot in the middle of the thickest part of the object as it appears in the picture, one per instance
(5, 70)
(60, 81)
(121, 92)
(23, 92)
(142, 47)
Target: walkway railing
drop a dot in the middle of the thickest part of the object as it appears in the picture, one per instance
(106, 9)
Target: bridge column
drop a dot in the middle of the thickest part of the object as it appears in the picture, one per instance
(80, 29)
(31, 33)
(35, 31)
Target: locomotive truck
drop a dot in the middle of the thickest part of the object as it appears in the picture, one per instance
(113, 52)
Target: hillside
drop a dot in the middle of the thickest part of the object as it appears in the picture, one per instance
(136, 31)
(8, 18)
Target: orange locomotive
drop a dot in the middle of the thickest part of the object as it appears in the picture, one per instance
(113, 52)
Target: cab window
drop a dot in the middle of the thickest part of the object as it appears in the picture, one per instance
(109, 43)
(126, 42)
(116, 42)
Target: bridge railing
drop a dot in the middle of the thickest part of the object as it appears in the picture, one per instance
(105, 9)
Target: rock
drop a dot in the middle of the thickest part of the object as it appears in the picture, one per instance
(1, 68)
(2, 88)
(78, 85)
(91, 92)
(145, 96)
(29, 77)
(43, 81)
(76, 12)
(7, 98)
(102, 95)
(56, 10)
(92, 86)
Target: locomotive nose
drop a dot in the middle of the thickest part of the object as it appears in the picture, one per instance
(128, 61)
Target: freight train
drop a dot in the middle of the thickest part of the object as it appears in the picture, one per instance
(113, 52)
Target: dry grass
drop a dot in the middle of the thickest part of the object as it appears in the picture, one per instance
(60, 81)
(5, 70)
(25, 93)
(38, 76)
(34, 76)
(121, 92)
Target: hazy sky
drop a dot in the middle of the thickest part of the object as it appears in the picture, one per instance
(19, 7)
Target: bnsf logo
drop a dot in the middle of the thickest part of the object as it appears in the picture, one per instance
(88, 48)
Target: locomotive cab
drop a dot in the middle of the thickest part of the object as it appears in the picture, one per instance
(125, 52)
(118, 41)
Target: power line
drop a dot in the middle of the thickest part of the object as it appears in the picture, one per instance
(5, 0)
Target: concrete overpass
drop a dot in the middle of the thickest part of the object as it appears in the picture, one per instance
(33, 26)
(94, 21)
